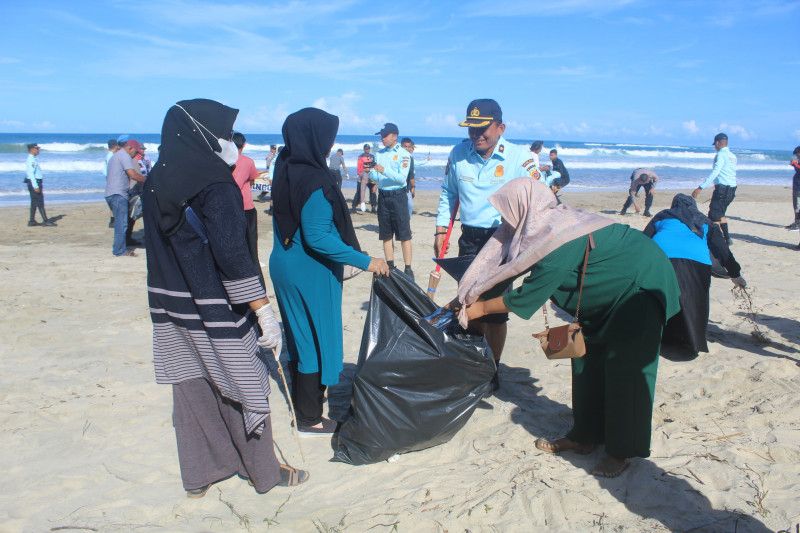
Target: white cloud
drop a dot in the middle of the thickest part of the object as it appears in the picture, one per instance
(737, 130)
(263, 118)
(691, 127)
(345, 107)
(44, 125)
(441, 122)
(18, 124)
(583, 127)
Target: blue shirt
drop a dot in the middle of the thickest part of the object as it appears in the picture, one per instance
(109, 155)
(472, 180)
(395, 162)
(724, 171)
(679, 242)
(33, 171)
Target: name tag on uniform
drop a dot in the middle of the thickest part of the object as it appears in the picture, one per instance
(466, 178)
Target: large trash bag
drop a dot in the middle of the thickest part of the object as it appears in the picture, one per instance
(415, 386)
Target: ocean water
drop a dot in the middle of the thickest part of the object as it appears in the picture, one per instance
(73, 163)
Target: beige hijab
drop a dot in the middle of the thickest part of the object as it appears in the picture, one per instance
(534, 225)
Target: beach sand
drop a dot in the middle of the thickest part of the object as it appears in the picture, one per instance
(87, 442)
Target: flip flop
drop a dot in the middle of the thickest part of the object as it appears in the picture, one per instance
(553, 446)
(610, 474)
(198, 493)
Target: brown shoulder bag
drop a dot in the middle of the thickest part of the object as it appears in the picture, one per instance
(566, 342)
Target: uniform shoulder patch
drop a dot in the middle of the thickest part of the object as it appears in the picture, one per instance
(501, 149)
(528, 162)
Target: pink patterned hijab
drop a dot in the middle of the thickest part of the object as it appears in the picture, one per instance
(534, 225)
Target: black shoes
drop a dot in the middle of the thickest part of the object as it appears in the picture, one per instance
(729, 241)
(793, 226)
(328, 428)
(408, 272)
(49, 223)
(33, 223)
(268, 211)
(132, 242)
(647, 214)
(111, 222)
(495, 382)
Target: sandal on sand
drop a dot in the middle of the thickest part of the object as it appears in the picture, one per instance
(198, 493)
(615, 468)
(291, 477)
(129, 254)
(563, 444)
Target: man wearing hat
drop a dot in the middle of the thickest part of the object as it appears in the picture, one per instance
(723, 176)
(33, 177)
(390, 172)
(475, 170)
(120, 171)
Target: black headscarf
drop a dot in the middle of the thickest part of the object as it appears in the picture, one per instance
(187, 163)
(301, 169)
(684, 208)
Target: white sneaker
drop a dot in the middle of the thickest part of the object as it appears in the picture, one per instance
(363, 207)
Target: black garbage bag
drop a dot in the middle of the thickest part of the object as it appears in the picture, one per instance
(415, 386)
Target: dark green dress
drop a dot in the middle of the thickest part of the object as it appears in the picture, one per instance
(629, 293)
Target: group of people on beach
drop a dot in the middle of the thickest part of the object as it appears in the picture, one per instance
(215, 330)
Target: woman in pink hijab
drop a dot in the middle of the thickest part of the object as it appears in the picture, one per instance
(629, 292)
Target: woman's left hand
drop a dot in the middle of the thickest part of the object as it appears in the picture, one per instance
(476, 310)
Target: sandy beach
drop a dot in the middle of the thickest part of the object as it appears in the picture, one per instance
(88, 445)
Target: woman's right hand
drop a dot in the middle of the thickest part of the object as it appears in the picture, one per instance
(378, 266)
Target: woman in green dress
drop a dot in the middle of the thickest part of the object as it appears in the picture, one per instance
(629, 293)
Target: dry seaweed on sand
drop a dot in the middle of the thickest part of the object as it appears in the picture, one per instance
(744, 301)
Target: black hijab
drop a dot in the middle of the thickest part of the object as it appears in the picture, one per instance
(187, 163)
(301, 169)
(684, 208)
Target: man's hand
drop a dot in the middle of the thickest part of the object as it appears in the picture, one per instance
(651, 191)
(37, 191)
(270, 329)
(739, 282)
(544, 167)
(696, 192)
(438, 242)
(412, 191)
(378, 266)
(476, 310)
(378, 168)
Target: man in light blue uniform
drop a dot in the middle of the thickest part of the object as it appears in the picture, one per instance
(723, 176)
(33, 177)
(475, 170)
(390, 172)
(409, 147)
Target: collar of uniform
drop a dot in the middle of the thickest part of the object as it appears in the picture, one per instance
(499, 149)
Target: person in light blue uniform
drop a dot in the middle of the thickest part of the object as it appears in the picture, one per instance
(390, 172)
(723, 176)
(33, 178)
(409, 147)
(475, 171)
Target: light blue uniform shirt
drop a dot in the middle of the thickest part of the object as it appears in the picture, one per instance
(109, 155)
(395, 162)
(724, 172)
(33, 171)
(472, 180)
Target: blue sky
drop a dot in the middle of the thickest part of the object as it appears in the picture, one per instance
(571, 70)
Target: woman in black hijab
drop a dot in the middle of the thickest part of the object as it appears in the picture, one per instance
(207, 304)
(687, 236)
(314, 240)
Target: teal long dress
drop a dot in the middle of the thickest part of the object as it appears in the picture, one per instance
(307, 279)
(629, 293)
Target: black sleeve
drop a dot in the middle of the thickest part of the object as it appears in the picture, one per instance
(720, 249)
(650, 229)
(410, 173)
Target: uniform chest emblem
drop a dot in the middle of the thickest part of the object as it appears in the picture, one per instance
(535, 174)
(498, 171)
(405, 164)
(501, 149)
(395, 157)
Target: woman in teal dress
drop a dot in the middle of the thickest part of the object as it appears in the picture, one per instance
(314, 239)
(629, 293)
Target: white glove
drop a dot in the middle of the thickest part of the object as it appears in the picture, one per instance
(270, 329)
(739, 282)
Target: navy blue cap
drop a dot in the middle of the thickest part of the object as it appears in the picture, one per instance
(388, 128)
(481, 113)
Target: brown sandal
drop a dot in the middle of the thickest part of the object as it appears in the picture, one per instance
(291, 477)
(601, 470)
(563, 444)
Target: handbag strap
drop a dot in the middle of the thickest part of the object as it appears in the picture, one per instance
(589, 246)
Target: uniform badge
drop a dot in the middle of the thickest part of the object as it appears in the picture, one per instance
(528, 162)
(475, 112)
(535, 174)
(498, 171)
(395, 157)
(405, 164)
(501, 149)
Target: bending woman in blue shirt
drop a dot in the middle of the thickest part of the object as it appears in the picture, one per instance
(688, 237)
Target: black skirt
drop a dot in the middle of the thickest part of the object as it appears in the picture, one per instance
(688, 328)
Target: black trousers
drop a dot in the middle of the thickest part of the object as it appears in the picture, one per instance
(648, 198)
(37, 202)
(307, 395)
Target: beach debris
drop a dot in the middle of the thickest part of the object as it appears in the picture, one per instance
(744, 301)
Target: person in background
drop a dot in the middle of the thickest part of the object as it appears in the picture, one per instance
(113, 148)
(313, 240)
(120, 172)
(628, 293)
(337, 160)
(795, 190)
(686, 236)
(135, 190)
(33, 178)
(207, 305)
(562, 180)
(641, 178)
(390, 173)
(273, 153)
(245, 173)
(409, 146)
(477, 168)
(270, 173)
(365, 160)
(723, 176)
